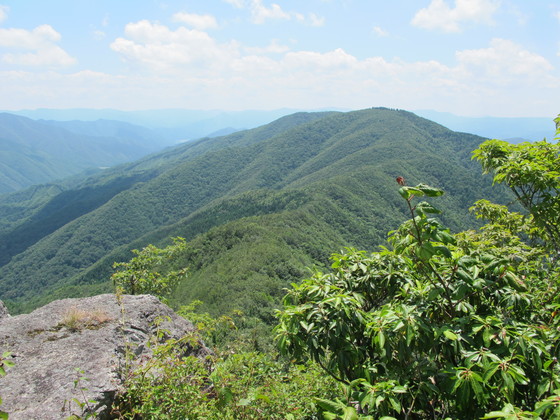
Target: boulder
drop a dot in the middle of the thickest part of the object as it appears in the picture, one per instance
(89, 338)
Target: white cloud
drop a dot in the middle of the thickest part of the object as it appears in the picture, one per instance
(504, 61)
(312, 19)
(556, 15)
(439, 15)
(314, 60)
(41, 44)
(3, 13)
(260, 13)
(159, 48)
(201, 22)
(52, 56)
(187, 67)
(520, 17)
(380, 31)
(481, 79)
(37, 38)
(274, 47)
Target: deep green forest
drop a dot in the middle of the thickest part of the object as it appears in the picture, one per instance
(309, 183)
(256, 237)
(434, 325)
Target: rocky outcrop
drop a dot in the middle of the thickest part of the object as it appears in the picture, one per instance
(3, 311)
(55, 345)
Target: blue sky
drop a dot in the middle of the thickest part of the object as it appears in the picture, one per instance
(467, 57)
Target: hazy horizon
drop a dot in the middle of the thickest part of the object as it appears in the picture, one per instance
(470, 58)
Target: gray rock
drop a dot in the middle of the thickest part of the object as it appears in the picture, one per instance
(90, 334)
(3, 311)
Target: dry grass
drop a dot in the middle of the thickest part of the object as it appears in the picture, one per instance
(77, 319)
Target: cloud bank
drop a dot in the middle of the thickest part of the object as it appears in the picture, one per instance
(189, 63)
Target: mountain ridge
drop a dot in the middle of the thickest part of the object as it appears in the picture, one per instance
(334, 172)
(192, 124)
(36, 152)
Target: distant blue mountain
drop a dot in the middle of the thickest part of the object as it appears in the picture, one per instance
(35, 152)
(174, 125)
(512, 129)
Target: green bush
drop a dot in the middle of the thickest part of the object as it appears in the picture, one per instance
(437, 326)
(225, 385)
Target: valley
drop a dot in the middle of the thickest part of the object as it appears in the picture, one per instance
(261, 207)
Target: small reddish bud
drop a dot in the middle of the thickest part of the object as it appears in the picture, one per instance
(400, 180)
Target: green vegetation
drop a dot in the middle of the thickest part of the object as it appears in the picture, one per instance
(442, 325)
(430, 325)
(33, 152)
(141, 276)
(437, 325)
(532, 171)
(5, 363)
(299, 187)
(247, 385)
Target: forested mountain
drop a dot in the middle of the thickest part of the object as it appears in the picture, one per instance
(257, 206)
(35, 152)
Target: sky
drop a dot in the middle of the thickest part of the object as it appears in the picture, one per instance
(467, 57)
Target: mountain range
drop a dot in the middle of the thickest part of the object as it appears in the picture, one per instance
(259, 207)
(183, 124)
(173, 125)
(35, 152)
(514, 130)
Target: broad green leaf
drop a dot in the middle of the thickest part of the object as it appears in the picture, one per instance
(408, 192)
(426, 251)
(350, 414)
(263, 397)
(328, 405)
(491, 371)
(443, 250)
(429, 191)
(395, 404)
(425, 207)
(244, 401)
(381, 339)
(463, 275)
(450, 335)
(445, 237)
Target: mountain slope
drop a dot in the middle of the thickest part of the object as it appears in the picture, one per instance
(308, 184)
(35, 152)
(39, 203)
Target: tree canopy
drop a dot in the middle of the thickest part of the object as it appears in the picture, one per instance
(440, 325)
